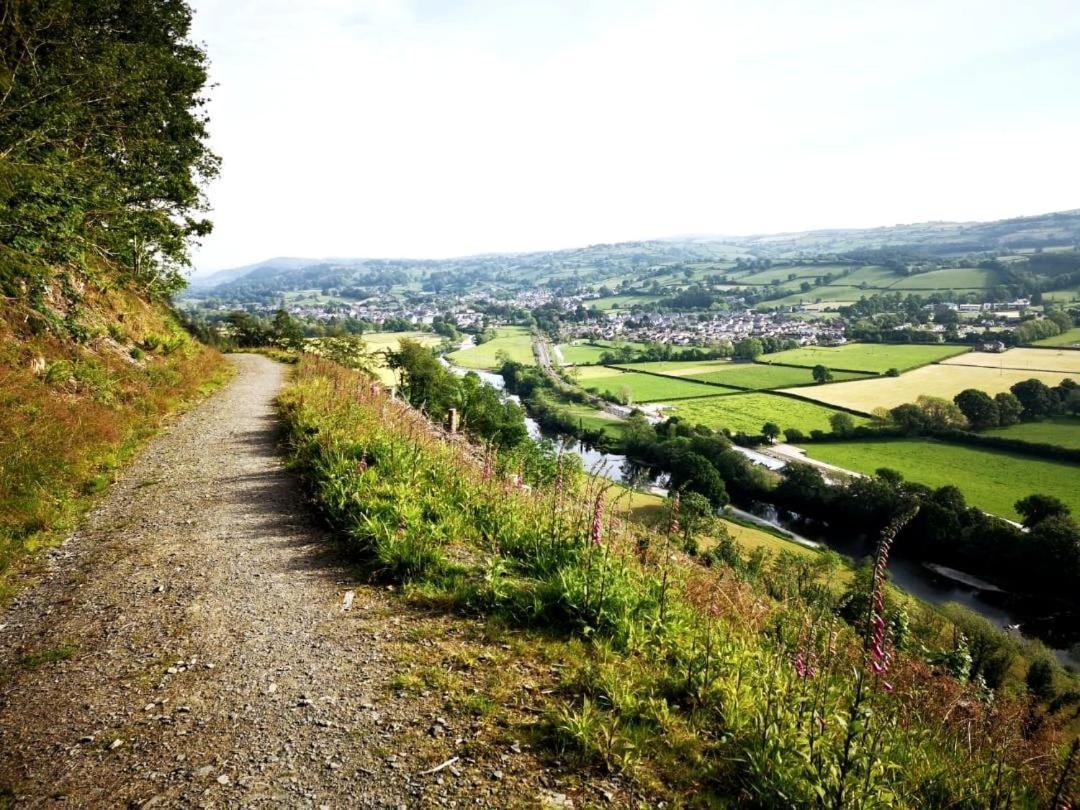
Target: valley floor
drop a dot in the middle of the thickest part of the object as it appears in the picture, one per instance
(191, 645)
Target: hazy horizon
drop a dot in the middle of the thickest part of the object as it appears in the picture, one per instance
(427, 129)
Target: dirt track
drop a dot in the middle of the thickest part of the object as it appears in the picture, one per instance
(189, 646)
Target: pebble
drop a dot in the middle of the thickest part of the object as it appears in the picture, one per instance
(223, 779)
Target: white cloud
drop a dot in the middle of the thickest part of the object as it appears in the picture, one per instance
(431, 128)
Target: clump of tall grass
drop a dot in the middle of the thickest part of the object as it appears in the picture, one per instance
(693, 678)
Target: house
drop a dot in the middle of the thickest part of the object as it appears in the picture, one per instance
(993, 346)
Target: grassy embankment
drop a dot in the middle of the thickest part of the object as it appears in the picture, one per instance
(686, 678)
(83, 382)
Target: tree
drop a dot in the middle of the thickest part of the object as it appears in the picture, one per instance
(694, 473)
(842, 423)
(821, 374)
(1036, 508)
(940, 413)
(1035, 398)
(1009, 408)
(979, 408)
(103, 136)
(287, 330)
(770, 430)
(909, 418)
(749, 349)
(695, 513)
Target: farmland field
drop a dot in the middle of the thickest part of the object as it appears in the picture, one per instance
(378, 342)
(871, 275)
(577, 353)
(748, 412)
(740, 375)
(938, 380)
(951, 278)
(1048, 359)
(760, 377)
(678, 368)
(642, 387)
(594, 419)
(1063, 296)
(800, 272)
(619, 301)
(990, 479)
(870, 357)
(1064, 431)
(1070, 338)
(516, 341)
(835, 295)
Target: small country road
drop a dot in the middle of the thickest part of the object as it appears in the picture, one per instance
(189, 646)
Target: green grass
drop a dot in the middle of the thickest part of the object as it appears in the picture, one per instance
(581, 353)
(801, 272)
(620, 301)
(830, 294)
(748, 412)
(952, 278)
(871, 275)
(593, 419)
(739, 375)
(646, 387)
(1070, 339)
(760, 377)
(515, 341)
(870, 357)
(991, 480)
(1064, 431)
(1065, 295)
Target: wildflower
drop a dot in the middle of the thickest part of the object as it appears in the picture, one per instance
(361, 466)
(805, 665)
(877, 641)
(598, 519)
(487, 466)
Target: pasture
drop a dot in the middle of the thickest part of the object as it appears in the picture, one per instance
(1063, 431)
(760, 377)
(619, 301)
(800, 272)
(1069, 339)
(938, 380)
(990, 480)
(677, 368)
(379, 342)
(1048, 359)
(950, 278)
(874, 358)
(595, 419)
(580, 353)
(747, 412)
(515, 341)
(641, 387)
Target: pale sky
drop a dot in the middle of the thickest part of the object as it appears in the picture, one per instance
(425, 128)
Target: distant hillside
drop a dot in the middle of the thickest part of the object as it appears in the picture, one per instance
(613, 264)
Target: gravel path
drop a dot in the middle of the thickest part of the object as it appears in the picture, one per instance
(189, 646)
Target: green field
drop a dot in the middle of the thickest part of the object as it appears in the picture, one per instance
(1064, 431)
(951, 278)
(760, 377)
(738, 375)
(871, 275)
(620, 301)
(642, 387)
(1070, 339)
(832, 294)
(593, 419)
(991, 480)
(781, 274)
(515, 341)
(1063, 296)
(748, 412)
(580, 353)
(379, 342)
(869, 357)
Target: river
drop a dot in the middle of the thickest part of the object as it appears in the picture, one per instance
(922, 582)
